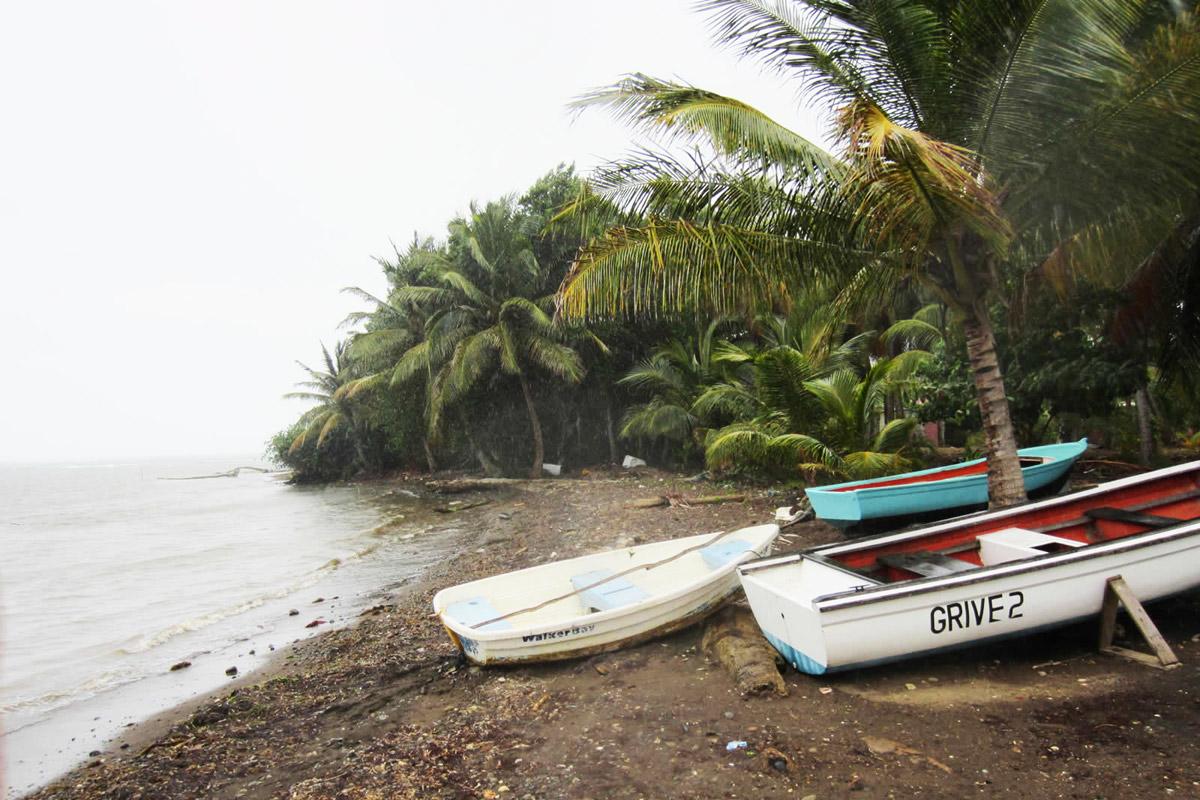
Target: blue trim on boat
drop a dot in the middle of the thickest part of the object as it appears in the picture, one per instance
(794, 657)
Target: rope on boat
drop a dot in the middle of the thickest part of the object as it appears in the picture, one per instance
(602, 581)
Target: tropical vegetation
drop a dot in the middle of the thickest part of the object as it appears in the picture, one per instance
(987, 200)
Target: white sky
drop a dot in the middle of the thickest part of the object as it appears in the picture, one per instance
(186, 186)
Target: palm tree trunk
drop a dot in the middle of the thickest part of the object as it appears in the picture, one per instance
(539, 452)
(1145, 429)
(613, 454)
(1006, 487)
(429, 459)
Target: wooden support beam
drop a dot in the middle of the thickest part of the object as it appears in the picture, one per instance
(1116, 594)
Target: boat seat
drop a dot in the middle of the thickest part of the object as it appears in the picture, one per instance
(926, 564)
(608, 595)
(475, 610)
(719, 554)
(1132, 517)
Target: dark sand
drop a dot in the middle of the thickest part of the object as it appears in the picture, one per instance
(385, 709)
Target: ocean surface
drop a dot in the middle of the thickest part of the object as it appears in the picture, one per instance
(113, 572)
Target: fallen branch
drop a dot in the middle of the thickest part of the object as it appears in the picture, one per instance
(461, 507)
(679, 501)
(1121, 464)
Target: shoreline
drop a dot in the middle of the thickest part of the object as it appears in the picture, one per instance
(40, 745)
(384, 707)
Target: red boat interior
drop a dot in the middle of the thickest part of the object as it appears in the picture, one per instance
(959, 472)
(1100, 518)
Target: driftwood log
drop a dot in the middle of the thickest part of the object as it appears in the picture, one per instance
(732, 639)
(460, 485)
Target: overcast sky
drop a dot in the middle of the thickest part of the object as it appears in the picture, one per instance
(186, 186)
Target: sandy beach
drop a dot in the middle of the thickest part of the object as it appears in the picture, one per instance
(386, 709)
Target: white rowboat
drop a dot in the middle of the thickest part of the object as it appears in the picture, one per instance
(982, 577)
(600, 602)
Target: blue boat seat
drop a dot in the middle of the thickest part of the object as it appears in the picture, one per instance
(719, 554)
(608, 595)
(475, 610)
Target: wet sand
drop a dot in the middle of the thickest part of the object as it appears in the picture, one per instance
(386, 709)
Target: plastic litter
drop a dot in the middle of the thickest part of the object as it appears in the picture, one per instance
(552, 469)
(736, 745)
(632, 461)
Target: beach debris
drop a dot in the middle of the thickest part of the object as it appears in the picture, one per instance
(552, 469)
(733, 639)
(315, 623)
(180, 665)
(737, 744)
(676, 500)
(603, 670)
(826, 690)
(630, 462)
(504, 515)
(319, 600)
(775, 759)
(231, 671)
(880, 746)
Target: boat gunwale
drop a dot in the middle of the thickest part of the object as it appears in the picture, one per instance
(890, 591)
(597, 617)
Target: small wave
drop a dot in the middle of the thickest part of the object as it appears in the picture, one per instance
(164, 635)
(59, 697)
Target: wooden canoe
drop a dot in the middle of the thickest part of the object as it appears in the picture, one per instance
(936, 493)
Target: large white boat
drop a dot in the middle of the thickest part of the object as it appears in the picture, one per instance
(981, 577)
(600, 602)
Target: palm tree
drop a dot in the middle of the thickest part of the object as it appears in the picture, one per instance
(334, 411)
(488, 316)
(976, 139)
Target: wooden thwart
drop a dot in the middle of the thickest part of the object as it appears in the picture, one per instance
(1116, 594)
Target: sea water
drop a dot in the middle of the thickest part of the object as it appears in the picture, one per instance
(113, 572)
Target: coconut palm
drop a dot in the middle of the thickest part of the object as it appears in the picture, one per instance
(974, 140)
(334, 411)
(488, 317)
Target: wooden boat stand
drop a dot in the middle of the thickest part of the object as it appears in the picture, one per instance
(1116, 594)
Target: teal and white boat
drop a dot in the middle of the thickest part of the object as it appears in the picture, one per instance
(937, 493)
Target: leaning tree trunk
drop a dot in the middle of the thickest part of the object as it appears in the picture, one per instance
(539, 449)
(1006, 487)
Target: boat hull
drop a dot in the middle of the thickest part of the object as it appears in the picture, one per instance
(588, 634)
(865, 508)
(947, 614)
(980, 578)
